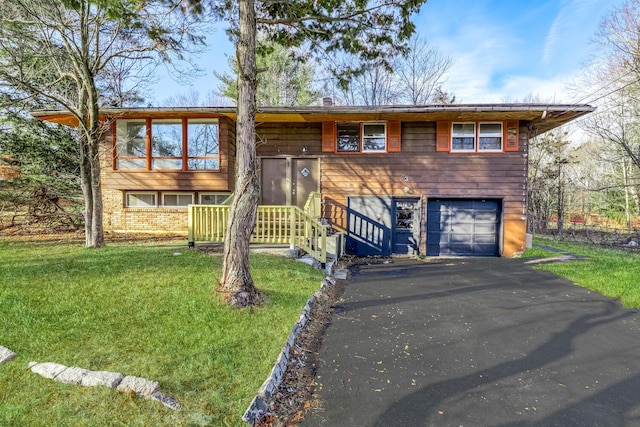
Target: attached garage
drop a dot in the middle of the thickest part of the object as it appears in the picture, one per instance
(463, 227)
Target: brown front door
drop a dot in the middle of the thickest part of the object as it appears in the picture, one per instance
(289, 181)
(274, 182)
(304, 180)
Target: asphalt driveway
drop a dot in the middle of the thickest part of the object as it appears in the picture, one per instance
(476, 342)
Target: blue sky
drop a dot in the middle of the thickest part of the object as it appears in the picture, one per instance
(502, 50)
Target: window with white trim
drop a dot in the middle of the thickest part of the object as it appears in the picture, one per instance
(463, 137)
(490, 136)
(361, 137)
(470, 137)
(206, 198)
(143, 199)
(177, 200)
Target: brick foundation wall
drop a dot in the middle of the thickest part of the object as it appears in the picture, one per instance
(117, 218)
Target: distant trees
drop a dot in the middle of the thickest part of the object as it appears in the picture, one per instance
(283, 80)
(44, 188)
(73, 55)
(549, 158)
(606, 174)
(415, 78)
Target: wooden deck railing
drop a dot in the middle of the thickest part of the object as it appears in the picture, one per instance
(274, 224)
(313, 206)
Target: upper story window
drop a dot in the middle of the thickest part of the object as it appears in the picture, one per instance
(356, 137)
(463, 137)
(467, 137)
(167, 144)
(490, 137)
(477, 137)
(361, 137)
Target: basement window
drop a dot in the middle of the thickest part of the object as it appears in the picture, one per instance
(145, 199)
(212, 198)
(177, 200)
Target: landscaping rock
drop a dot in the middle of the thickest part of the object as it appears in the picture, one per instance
(141, 386)
(309, 260)
(47, 369)
(166, 400)
(6, 355)
(71, 375)
(103, 378)
(342, 274)
(328, 281)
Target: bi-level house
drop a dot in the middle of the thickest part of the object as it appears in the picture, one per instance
(430, 180)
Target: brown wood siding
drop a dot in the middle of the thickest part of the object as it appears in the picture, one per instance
(429, 173)
(288, 139)
(222, 180)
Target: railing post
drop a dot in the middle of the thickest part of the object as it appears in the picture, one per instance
(191, 237)
(293, 234)
(323, 244)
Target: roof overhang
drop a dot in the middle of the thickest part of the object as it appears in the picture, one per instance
(542, 117)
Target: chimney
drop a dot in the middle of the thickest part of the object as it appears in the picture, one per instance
(327, 101)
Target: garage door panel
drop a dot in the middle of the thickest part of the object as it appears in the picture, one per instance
(463, 227)
(460, 215)
(485, 228)
(489, 216)
(457, 238)
(488, 239)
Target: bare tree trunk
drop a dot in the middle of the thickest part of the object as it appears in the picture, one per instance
(560, 201)
(625, 181)
(96, 237)
(87, 188)
(236, 281)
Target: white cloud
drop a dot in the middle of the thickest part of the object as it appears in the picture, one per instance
(568, 38)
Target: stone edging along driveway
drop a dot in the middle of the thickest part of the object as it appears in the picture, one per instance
(73, 375)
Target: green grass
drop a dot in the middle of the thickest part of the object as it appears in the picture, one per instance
(143, 311)
(611, 272)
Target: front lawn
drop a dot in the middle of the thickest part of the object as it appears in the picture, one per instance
(611, 272)
(144, 311)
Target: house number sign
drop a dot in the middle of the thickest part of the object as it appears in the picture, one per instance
(305, 172)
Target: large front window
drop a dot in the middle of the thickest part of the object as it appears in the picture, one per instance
(203, 144)
(131, 145)
(167, 144)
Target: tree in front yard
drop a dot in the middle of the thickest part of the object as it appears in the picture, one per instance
(65, 54)
(374, 30)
